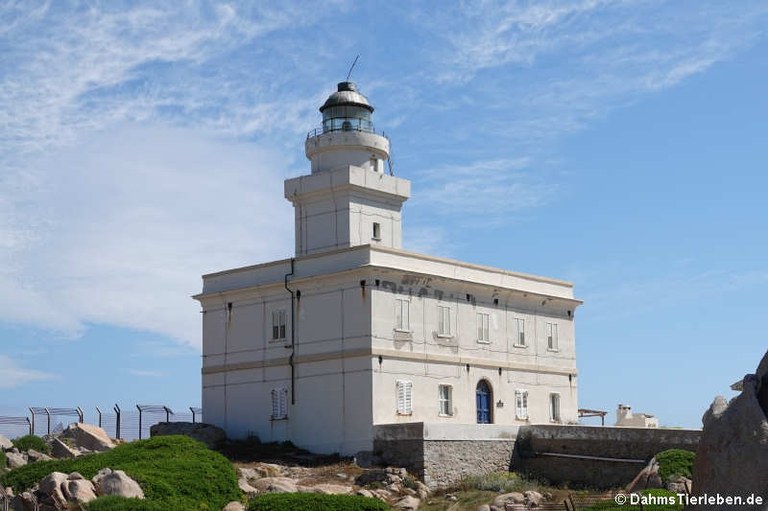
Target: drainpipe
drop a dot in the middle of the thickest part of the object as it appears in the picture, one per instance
(293, 333)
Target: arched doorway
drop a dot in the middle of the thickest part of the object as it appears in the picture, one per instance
(484, 398)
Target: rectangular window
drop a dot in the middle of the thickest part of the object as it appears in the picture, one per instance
(521, 404)
(280, 403)
(404, 396)
(278, 324)
(552, 342)
(483, 327)
(554, 407)
(376, 230)
(520, 341)
(444, 397)
(443, 320)
(402, 315)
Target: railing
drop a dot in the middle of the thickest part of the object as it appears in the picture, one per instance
(122, 424)
(331, 129)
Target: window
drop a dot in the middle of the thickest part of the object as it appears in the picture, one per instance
(404, 395)
(443, 320)
(554, 407)
(483, 327)
(520, 341)
(279, 403)
(552, 343)
(402, 315)
(278, 324)
(376, 230)
(444, 398)
(521, 404)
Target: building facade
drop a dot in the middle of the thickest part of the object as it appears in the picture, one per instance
(355, 332)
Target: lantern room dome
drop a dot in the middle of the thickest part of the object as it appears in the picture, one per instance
(346, 95)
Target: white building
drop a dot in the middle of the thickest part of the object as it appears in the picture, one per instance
(626, 418)
(355, 331)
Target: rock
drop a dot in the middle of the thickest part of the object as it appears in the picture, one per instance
(212, 436)
(648, 477)
(15, 460)
(5, 444)
(331, 489)
(89, 437)
(276, 484)
(508, 498)
(408, 503)
(51, 487)
(245, 487)
(234, 506)
(24, 502)
(377, 475)
(484, 507)
(533, 498)
(116, 482)
(732, 456)
(364, 493)
(75, 476)
(266, 470)
(366, 459)
(679, 485)
(61, 450)
(33, 456)
(79, 490)
(422, 490)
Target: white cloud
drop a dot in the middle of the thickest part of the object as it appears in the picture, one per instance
(14, 375)
(143, 373)
(125, 222)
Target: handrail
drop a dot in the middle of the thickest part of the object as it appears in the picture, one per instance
(322, 130)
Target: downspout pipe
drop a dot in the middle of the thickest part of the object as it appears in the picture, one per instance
(293, 332)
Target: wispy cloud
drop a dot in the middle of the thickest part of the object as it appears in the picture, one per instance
(14, 375)
(143, 373)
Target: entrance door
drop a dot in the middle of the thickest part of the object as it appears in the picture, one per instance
(484, 397)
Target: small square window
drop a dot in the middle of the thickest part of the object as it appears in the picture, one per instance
(445, 399)
(278, 324)
(552, 340)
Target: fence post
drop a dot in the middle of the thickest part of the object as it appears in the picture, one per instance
(139, 408)
(48, 413)
(117, 420)
(80, 415)
(99, 412)
(32, 426)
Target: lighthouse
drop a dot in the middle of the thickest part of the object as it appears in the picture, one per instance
(348, 199)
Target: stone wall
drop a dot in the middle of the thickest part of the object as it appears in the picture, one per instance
(594, 456)
(600, 457)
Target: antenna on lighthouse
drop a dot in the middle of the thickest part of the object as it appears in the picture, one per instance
(352, 67)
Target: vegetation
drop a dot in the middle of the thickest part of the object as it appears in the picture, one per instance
(675, 463)
(175, 472)
(27, 442)
(500, 482)
(314, 502)
(2, 461)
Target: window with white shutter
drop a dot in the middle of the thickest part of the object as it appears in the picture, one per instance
(445, 399)
(280, 403)
(278, 324)
(521, 404)
(443, 320)
(483, 327)
(520, 341)
(552, 341)
(402, 315)
(404, 397)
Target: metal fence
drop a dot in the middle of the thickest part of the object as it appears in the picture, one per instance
(130, 424)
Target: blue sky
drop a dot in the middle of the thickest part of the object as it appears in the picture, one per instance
(617, 144)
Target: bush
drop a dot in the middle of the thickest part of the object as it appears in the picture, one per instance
(2, 461)
(674, 463)
(27, 442)
(175, 472)
(314, 502)
(502, 482)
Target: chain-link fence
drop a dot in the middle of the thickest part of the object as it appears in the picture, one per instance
(129, 424)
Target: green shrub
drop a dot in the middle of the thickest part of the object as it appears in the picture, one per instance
(2, 460)
(314, 502)
(175, 472)
(27, 442)
(503, 482)
(675, 463)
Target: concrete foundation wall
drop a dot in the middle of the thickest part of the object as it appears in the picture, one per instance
(595, 456)
(600, 457)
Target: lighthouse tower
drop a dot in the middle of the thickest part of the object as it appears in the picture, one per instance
(348, 199)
